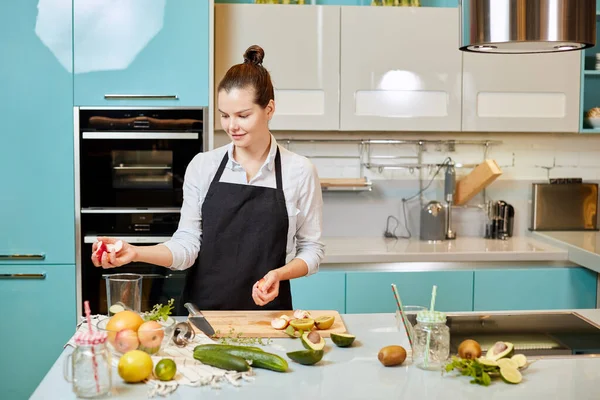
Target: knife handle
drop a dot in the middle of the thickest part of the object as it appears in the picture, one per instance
(192, 309)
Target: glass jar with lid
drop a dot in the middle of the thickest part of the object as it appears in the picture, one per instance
(89, 367)
(431, 346)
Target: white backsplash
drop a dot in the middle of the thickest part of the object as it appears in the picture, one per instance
(523, 157)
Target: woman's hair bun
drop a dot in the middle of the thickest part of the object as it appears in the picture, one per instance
(254, 55)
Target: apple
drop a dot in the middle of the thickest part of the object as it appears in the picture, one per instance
(279, 323)
(126, 340)
(115, 248)
(151, 334)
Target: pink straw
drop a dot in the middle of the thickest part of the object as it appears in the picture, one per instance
(88, 316)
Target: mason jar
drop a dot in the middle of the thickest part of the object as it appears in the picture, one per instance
(431, 346)
(89, 367)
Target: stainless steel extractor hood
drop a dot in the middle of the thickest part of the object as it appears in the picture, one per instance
(527, 26)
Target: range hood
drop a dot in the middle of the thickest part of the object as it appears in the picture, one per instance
(527, 26)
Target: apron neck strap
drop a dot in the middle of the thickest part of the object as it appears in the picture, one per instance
(278, 178)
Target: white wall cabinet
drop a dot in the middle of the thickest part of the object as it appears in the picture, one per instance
(400, 69)
(521, 92)
(302, 50)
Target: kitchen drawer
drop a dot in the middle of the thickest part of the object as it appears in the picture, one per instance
(324, 290)
(38, 318)
(371, 292)
(158, 50)
(534, 289)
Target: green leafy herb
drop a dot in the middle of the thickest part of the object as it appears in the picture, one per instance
(473, 368)
(159, 312)
(238, 338)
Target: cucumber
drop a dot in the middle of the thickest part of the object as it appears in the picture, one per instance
(222, 360)
(259, 358)
(225, 347)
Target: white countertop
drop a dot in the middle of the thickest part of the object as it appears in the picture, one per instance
(582, 247)
(465, 249)
(355, 373)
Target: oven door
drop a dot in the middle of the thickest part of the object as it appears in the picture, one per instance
(135, 169)
(159, 284)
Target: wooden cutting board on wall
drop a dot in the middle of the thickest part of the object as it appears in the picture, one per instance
(258, 323)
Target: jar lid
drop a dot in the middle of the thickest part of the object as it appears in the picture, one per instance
(431, 316)
(90, 338)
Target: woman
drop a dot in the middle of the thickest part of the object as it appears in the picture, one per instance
(245, 204)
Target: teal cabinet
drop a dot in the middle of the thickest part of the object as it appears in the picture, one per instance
(37, 211)
(534, 289)
(38, 318)
(371, 292)
(325, 290)
(141, 53)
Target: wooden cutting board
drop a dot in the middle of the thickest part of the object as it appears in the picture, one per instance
(258, 323)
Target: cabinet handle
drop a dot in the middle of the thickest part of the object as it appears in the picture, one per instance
(22, 257)
(131, 239)
(141, 96)
(23, 276)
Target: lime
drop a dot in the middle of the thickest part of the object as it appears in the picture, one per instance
(304, 324)
(342, 339)
(135, 366)
(510, 375)
(324, 322)
(520, 359)
(507, 362)
(165, 369)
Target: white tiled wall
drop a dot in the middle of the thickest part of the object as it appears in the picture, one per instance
(521, 156)
(524, 158)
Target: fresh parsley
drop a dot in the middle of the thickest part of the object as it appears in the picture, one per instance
(160, 312)
(238, 338)
(473, 368)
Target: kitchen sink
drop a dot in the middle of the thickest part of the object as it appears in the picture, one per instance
(533, 334)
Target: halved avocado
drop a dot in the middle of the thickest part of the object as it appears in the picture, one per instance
(500, 350)
(342, 339)
(312, 341)
(306, 357)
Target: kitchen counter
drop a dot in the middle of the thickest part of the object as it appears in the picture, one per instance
(355, 373)
(346, 250)
(583, 248)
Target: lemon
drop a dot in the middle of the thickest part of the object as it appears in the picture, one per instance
(305, 324)
(135, 366)
(165, 369)
(324, 322)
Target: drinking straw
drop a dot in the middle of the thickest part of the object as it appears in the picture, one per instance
(431, 308)
(402, 315)
(88, 317)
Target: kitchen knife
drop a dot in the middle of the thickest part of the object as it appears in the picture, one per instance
(198, 319)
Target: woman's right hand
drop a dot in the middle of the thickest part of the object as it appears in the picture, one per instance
(113, 259)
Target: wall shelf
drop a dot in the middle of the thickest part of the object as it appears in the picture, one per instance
(591, 72)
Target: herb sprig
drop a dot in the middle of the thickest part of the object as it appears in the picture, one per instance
(473, 368)
(238, 338)
(159, 312)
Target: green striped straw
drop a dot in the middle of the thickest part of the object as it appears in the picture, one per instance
(431, 309)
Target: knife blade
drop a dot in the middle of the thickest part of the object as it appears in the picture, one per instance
(197, 318)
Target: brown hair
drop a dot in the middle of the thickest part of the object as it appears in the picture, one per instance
(250, 74)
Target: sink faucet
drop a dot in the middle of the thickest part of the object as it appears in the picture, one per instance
(449, 184)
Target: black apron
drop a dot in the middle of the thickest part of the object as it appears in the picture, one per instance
(244, 236)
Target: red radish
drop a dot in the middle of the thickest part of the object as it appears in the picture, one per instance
(100, 250)
(261, 282)
(301, 314)
(279, 323)
(118, 246)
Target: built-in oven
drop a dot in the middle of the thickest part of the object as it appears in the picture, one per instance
(136, 157)
(130, 166)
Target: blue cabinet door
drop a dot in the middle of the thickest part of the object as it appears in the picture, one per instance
(38, 318)
(534, 289)
(157, 49)
(371, 292)
(324, 290)
(36, 132)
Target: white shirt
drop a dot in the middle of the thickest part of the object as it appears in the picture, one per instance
(303, 200)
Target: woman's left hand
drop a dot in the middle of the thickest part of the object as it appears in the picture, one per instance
(267, 289)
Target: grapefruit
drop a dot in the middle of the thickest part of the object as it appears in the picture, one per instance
(124, 320)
